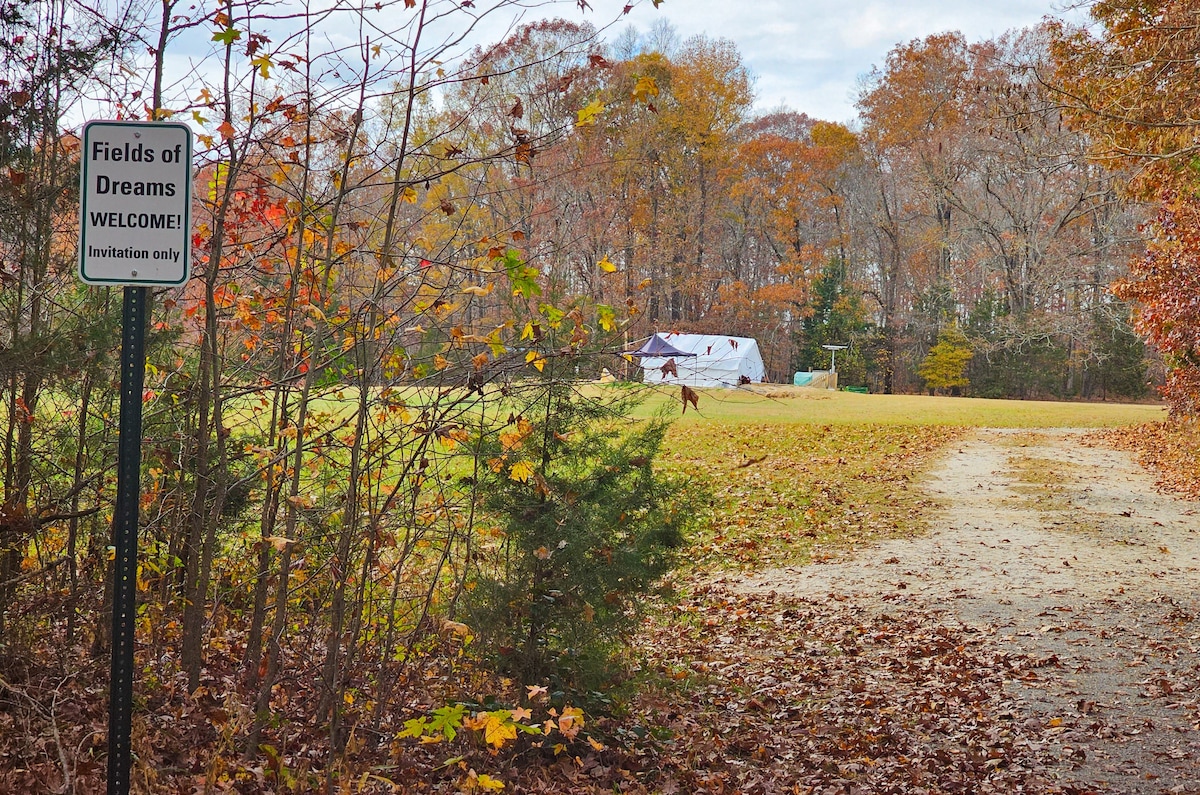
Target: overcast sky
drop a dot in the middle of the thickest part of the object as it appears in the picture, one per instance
(809, 54)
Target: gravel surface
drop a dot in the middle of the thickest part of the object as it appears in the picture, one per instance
(1064, 551)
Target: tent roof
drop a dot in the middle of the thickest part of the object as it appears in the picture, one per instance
(657, 345)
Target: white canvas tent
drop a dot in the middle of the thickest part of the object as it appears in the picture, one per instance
(702, 360)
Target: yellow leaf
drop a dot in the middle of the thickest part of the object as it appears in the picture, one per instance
(409, 195)
(440, 362)
(521, 471)
(570, 722)
(474, 289)
(499, 728)
(486, 782)
(536, 359)
(457, 628)
(644, 283)
(586, 117)
(606, 265)
(264, 66)
(596, 744)
(646, 87)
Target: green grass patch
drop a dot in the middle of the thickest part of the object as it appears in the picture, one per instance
(788, 493)
(790, 405)
(800, 474)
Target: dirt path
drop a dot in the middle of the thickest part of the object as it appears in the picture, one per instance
(1066, 553)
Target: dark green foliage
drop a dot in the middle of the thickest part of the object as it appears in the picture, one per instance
(1015, 357)
(1119, 353)
(578, 541)
(838, 318)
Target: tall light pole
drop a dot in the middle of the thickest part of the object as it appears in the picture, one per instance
(833, 349)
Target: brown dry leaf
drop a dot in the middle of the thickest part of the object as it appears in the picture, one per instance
(690, 396)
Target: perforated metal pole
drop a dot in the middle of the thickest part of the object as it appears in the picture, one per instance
(125, 539)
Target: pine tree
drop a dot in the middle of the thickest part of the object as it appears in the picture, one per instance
(946, 365)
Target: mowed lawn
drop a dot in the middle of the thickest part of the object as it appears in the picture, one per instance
(785, 404)
(796, 474)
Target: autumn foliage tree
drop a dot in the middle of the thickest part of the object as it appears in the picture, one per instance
(1132, 84)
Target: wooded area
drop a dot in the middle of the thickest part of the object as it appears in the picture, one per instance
(372, 457)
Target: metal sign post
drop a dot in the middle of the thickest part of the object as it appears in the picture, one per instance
(125, 539)
(134, 230)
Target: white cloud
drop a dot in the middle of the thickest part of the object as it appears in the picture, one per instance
(810, 54)
(807, 54)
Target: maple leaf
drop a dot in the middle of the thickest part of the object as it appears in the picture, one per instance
(570, 722)
(498, 728)
(264, 64)
(645, 88)
(448, 720)
(227, 36)
(586, 116)
(670, 368)
(487, 783)
(606, 318)
(606, 265)
(226, 130)
(521, 471)
(517, 110)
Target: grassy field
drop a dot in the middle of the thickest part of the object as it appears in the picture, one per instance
(785, 405)
(799, 474)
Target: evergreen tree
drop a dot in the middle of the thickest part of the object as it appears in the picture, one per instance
(946, 365)
(838, 318)
(585, 527)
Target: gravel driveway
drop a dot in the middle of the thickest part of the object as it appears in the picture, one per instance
(1061, 550)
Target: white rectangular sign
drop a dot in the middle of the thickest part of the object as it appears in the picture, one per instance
(135, 203)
